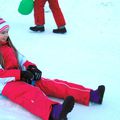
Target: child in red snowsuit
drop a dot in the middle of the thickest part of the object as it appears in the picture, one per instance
(39, 16)
(17, 75)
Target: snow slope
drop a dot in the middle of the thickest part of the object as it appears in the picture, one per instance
(89, 54)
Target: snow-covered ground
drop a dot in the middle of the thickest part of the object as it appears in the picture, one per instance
(89, 54)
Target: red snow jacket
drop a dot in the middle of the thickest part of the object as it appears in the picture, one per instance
(12, 65)
(29, 97)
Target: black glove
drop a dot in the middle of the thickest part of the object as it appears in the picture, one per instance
(27, 76)
(35, 71)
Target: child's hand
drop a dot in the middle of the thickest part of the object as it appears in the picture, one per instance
(27, 76)
(35, 71)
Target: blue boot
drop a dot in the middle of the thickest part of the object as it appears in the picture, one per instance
(60, 111)
(96, 96)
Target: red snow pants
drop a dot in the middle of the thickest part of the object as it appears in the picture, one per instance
(30, 98)
(62, 89)
(39, 14)
(34, 99)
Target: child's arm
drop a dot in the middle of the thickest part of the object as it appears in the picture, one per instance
(23, 62)
(9, 75)
(14, 75)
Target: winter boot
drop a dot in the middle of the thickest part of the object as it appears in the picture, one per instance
(61, 30)
(60, 111)
(96, 96)
(37, 28)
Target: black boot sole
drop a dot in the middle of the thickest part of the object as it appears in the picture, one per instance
(68, 105)
(101, 90)
(61, 31)
(37, 29)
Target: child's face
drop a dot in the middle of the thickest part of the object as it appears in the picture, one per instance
(4, 35)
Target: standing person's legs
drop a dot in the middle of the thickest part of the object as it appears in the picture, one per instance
(57, 13)
(39, 15)
(58, 16)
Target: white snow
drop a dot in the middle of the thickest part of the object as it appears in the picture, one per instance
(89, 54)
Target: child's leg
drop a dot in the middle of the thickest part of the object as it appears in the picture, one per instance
(61, 89)
(30, 98)
(72, 84)
(96, 96)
